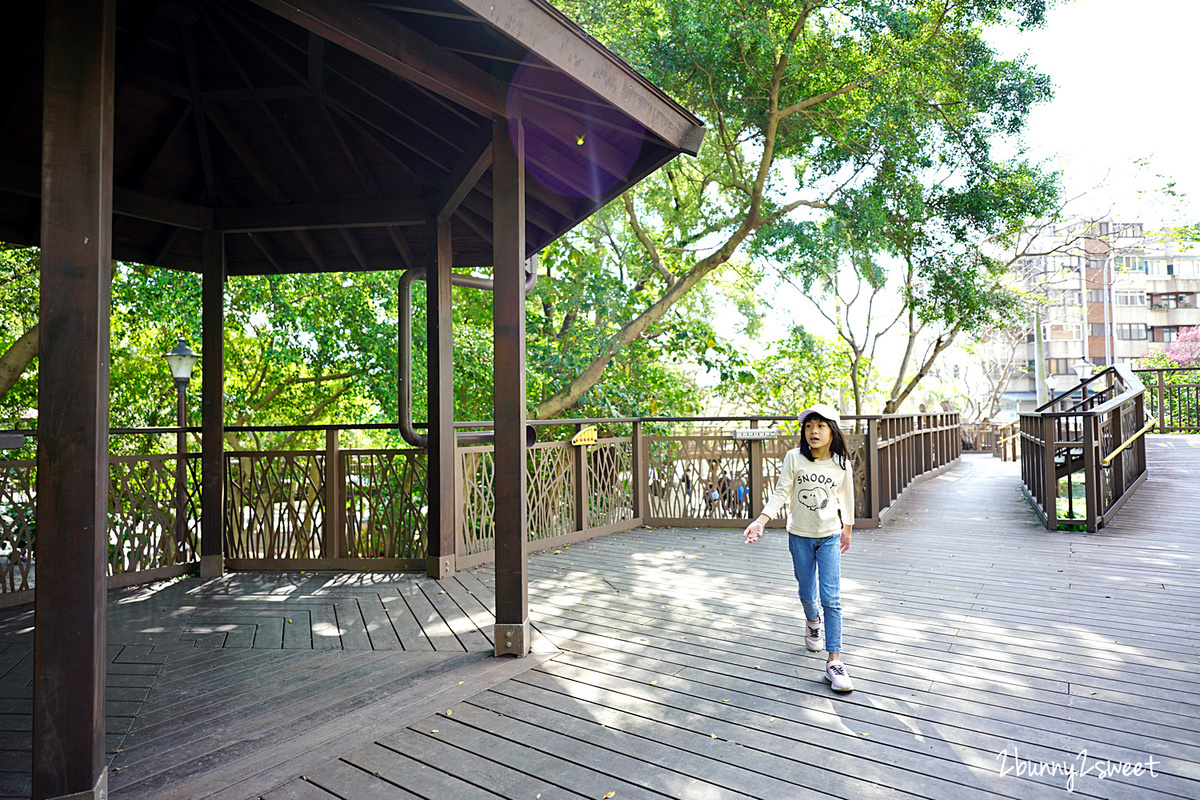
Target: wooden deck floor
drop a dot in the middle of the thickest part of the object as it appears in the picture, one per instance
(992, 659)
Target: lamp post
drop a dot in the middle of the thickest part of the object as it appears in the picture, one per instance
(1084, 369)
(1051, 386)
(181, 360)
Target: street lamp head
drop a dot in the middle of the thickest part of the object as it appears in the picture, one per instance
(1051, 383)
(1083, 368)
(181, 360)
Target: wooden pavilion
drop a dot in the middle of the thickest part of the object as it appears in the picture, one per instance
(226, 138)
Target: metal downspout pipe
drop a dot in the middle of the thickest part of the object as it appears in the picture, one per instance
(407, 430)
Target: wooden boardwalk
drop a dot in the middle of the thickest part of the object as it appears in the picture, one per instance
(992, 659)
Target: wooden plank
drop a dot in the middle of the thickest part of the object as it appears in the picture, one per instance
(431, 622)
(379, 626)
(450, 680)
(352, 783)
(504, 778)
(300, 789)
(460, 624)
(424, 780)
(588, 760)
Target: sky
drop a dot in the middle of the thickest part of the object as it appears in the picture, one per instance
(1122, 74)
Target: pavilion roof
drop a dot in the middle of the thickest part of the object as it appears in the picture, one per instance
(321, 136)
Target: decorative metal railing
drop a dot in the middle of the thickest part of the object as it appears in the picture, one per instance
(151, 530)
(1002, 441)
(1173, 398)
(359, 508)
(1083, 453)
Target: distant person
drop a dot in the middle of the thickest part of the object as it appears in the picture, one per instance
(817, 482)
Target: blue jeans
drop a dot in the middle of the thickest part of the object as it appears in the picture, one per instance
(820, 558)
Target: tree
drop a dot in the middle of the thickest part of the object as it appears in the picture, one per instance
(842, 110)
(1185, 350)
(793, 374)
(18, 323)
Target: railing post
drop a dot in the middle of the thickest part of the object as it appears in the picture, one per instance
(1117, 421)
(335, 498)
(579, 467)
(1091, 471)
(1160, 396)
(754, 474)
(460, 504)
(640, 477)
(872, 451)
(1050, 493)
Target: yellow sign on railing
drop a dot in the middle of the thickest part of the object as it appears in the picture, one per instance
(585, 436)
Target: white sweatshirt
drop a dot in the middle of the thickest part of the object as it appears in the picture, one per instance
(819, 494)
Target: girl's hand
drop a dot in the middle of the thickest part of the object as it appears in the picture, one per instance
(753, 532)
(845, 543)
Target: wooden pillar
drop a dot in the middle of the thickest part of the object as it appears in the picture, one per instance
(508, 321)
(439, 555)
(579, 477)
(73, 372)
(640, 477)
(335, 544)
(212, 401)
(754, 475)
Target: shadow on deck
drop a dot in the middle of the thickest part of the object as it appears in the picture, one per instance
(991, 657)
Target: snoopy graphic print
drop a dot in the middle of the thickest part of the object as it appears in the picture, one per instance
(813, 498)
(819, 495)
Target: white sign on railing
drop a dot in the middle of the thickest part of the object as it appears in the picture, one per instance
(754, 434)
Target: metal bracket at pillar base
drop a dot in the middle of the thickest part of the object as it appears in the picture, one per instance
(97, 792)
(212, 566)
(439, 566)
(512, 640)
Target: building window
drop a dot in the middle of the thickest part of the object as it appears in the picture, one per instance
(1096, 296)
(1131, 298)
(1097, 329)
(1129, 263)
(1167, 332)
(1131, 331)
(1058, 366)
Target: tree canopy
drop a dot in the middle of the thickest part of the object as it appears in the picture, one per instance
(859, 132)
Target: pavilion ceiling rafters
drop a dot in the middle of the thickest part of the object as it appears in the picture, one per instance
(322, 132)
(286, 136)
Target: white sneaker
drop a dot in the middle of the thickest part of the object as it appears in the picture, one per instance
(835, 673)
(812, 636)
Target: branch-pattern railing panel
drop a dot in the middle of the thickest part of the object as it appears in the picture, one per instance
(17, 528)
(144, 529)
(609, 482)
(275, 505)
(697, 478)
(385, 505)
(283, 507)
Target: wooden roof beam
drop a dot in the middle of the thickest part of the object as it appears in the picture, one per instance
(379, 38)
(546, 31)
(22, 179)
(317, 216)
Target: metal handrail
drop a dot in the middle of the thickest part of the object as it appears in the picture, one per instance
(1104, 462)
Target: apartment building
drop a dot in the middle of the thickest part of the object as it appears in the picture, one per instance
(1109, 294)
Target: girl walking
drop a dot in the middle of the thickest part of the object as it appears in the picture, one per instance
(818, 485)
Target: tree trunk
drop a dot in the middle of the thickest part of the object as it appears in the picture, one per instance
(17, 359)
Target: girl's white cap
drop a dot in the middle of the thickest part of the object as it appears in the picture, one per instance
(822, 410)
